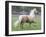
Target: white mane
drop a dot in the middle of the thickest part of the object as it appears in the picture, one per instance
(32, 12)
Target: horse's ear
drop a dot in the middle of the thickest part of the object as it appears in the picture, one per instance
(35, 9)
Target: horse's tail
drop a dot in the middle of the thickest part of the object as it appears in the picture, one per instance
(16, 23)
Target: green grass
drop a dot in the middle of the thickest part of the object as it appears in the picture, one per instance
(26, 26)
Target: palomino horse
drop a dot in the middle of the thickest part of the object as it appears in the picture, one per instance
(25, 18)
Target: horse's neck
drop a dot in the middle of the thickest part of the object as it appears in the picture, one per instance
(32, 13)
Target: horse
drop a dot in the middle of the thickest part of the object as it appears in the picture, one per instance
(27, 18)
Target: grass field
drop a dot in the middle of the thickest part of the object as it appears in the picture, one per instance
(26, 26)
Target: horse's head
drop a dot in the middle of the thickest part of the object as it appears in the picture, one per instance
(35, 11)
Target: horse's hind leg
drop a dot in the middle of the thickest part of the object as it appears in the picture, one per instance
(21, 25)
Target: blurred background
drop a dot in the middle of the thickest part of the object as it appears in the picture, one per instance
(24, 10)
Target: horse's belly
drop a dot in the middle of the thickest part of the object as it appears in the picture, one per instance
(26, 18)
